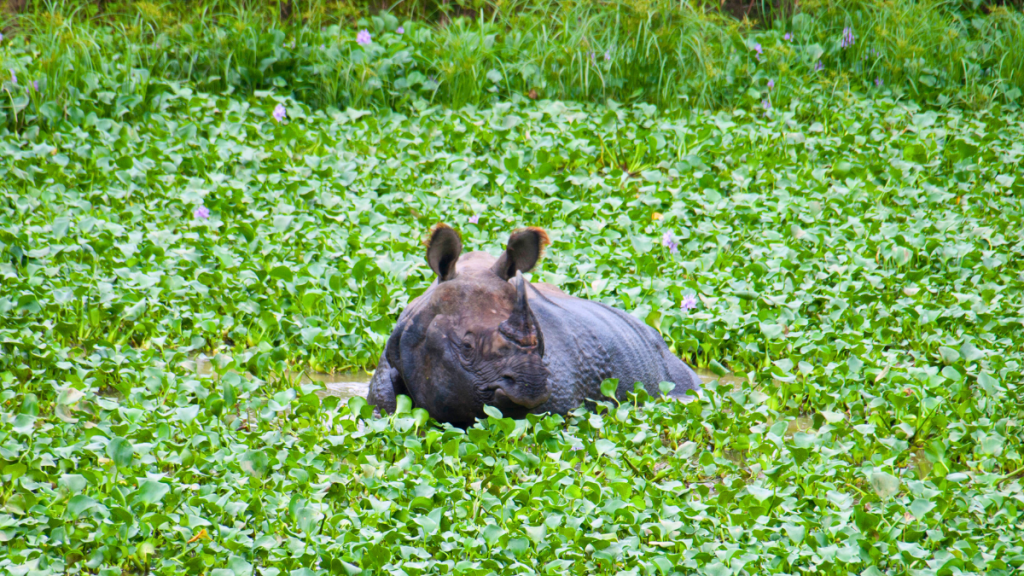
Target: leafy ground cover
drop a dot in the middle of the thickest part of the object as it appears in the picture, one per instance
(856, 261)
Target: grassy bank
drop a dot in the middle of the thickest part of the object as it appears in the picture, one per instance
(665, 53)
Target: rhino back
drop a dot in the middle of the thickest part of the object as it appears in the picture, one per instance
(588, 342)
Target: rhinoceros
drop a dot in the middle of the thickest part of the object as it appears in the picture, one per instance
(482, 335)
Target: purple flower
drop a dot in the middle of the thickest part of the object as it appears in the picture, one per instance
(14, 79)
(669, 241)
(787, 37)
(848, 38)
(607, 55)
(771, 84)
(279, 112)
(35, 84)
(689, 302)
(819, 66)
(766, 104)
(474, 218)
(757, 48)
(400, 30)
(201, 213)
(364, 38)
(878, 82)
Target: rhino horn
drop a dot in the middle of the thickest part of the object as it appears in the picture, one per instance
(521, 326)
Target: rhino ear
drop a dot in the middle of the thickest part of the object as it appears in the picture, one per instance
(524, 248)
(443, 249)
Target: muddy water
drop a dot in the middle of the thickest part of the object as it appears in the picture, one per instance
(345, 385)
(727, 381)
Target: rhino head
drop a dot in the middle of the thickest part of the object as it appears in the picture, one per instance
(472, 340)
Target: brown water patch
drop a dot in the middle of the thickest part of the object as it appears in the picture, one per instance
(801, 423)
(728, 381)
(344, 385)
(920, 464)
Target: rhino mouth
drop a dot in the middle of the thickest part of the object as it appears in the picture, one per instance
(509, 395)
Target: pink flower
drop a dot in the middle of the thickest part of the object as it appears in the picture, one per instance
(689, 302)
(400, 30)
(363, 38)
(848, 38)
(201, 213)
(474, 218)
(279, 112)
(669, 241)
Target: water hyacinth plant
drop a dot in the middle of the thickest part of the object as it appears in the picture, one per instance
(845, 272)
(668, 241)
(868, 312)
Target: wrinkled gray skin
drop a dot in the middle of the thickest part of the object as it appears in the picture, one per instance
(483, 335)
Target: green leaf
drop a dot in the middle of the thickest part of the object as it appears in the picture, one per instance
(949, 355)
(120, 452)
(404, 405)
(885, 485)
(282, 223)
(255, 463)
(79, 504)
(760, 494)
(536, 533)
(492, 533)
(641, 244)
(604, 446)
(718, 369)
(796, 533)
(920, 508)
(989, 384)
(608, 388)
(151, 492)
(282, 273)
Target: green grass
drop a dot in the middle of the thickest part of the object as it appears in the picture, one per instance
(659, 52)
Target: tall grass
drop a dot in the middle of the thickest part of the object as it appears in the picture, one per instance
(666, 53)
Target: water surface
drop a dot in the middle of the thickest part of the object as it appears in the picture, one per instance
(345, 385)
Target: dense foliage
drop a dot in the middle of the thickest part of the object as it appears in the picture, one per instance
(664, 52)
(853, 259)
